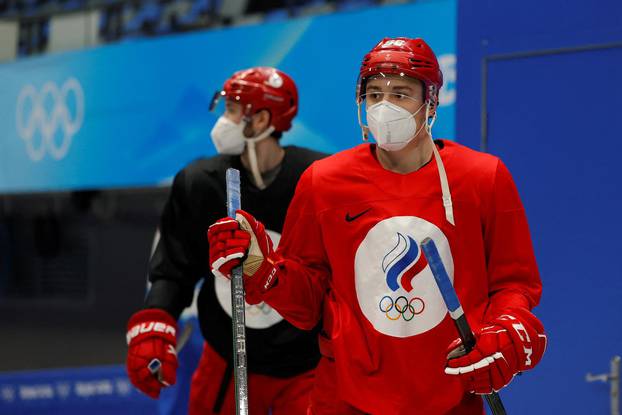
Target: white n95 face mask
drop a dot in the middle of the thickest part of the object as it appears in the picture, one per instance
(392, 126)
(228, 137)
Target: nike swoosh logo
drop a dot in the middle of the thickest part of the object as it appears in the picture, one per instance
(355, 217)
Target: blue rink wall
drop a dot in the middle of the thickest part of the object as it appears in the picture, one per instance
(547, 75)
(134, 113)
(101, 390)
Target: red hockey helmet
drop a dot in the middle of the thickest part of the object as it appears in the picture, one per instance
(262, 88)
(405, 57)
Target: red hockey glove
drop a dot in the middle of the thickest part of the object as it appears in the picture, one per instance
(228, 243)
(511, 344)
(227, 246)
(151, 358)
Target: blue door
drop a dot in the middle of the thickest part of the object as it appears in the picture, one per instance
(556, 120)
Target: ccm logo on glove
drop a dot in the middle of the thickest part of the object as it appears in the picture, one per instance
(521, 331)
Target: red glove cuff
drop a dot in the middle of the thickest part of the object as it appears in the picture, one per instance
(268, 272)
(152, 322)
(263, 280)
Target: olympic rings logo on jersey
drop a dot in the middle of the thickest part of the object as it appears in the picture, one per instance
(394, 284)
(258, 309)
(31, 116)
(258, 316)
(406, 309)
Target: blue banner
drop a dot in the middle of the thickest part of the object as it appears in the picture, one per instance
(100, 390)
(134, 113)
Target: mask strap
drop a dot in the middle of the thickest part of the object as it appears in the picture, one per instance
(424, 124)
(252, 156)
(447, 202)
(364, 129)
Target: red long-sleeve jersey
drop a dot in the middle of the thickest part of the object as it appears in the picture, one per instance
(351, 249)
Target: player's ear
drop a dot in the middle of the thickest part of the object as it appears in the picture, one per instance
(261, 121)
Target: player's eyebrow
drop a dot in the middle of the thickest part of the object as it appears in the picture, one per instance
(373, 88)
(402, 88)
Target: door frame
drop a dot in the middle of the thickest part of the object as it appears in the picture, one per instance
(486, 60)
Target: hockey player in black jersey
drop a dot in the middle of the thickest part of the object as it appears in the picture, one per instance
(260, 104)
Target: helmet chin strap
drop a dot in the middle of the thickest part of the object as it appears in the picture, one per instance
(447, 202)
(252, 156)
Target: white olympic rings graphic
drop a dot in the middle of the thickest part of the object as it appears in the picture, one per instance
(48, 124)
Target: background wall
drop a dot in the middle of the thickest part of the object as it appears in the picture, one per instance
(540, 86)
(142, 105)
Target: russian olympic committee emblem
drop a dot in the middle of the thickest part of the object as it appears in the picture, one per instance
(394, 284)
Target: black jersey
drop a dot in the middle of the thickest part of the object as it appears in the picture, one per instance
(181, 259)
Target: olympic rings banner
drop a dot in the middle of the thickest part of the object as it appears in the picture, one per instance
(133, 113)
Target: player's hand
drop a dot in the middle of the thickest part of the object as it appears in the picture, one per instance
(244, 239)
(151, 357)
(227, 246)
(511, 344)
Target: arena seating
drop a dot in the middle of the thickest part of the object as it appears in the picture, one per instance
(120, 20)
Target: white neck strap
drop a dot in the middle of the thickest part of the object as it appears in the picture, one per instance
(252, 156)
(447, 202)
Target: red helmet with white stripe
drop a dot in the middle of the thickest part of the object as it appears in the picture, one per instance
(263, 88)
(405, 57)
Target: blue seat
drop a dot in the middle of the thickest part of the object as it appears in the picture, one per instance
(72, 4)
(149, 12)
(311, 7)
(277, 15)
(350, 5)
(198, 7)
(29, 7)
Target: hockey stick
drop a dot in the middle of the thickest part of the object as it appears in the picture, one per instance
(455, 311)
(237, 306)
(155, 365)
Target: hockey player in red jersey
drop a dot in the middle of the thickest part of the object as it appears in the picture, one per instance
(259, 105)
(350, 254)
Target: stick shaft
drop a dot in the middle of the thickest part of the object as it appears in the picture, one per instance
(455, 311)
(237, 306)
